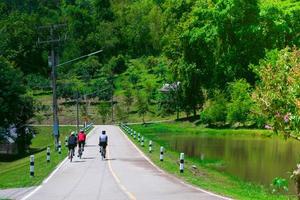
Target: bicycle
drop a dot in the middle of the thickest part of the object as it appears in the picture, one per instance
(80, 150)
(71, 154)
(102, 152)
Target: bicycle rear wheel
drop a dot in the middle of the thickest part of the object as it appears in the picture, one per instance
(71, 154)
(80, 152)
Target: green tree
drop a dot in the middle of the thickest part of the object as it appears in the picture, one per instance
(191, 94)
(240, 104)
(142, 105)
(15, 106)
(104, 110)
(277, 92)
(128, 98)
(214, 109)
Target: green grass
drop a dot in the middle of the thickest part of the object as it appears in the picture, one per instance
(16, 173)
(204, 176)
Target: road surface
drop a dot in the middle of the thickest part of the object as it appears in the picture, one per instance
(126, 174)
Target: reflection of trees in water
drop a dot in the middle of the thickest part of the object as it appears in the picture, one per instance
(254, 159)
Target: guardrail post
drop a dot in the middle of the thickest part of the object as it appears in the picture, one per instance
(181, 165)
(31, 169)
(59, 147)
(48, 154)
(161, 156)
(142, 142)
(134, 135)
(139, 136)
(150, 146)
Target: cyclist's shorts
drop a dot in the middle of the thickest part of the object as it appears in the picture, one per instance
(71, 146)
(103, 144)
(81, 143)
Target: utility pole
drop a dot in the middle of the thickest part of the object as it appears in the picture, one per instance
(77, 108)
(112, 98)
(53, 39)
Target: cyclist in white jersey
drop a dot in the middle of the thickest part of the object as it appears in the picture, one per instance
(103, 139)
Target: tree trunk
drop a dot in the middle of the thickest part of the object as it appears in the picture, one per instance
(296, 175)
(195, 112)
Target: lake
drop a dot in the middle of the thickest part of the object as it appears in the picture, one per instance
(251, 158)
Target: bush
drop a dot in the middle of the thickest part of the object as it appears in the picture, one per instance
(214, 110)
(37, 82)
(240, 103)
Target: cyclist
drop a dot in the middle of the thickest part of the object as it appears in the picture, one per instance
(81, 141)
(72, 142)
(103, 139)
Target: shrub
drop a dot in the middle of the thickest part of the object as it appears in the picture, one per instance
(214, 110)
(240, 102)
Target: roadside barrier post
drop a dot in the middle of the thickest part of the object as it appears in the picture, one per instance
(181, 165)
(59, 147)
(134, 135)
(150, 146)
(142, 142)
(31, 169)
(139, 136)
(48, 154)
(161, 156)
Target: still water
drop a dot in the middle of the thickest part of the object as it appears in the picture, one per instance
(255, 159)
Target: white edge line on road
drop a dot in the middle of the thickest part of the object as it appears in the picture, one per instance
(129, 194)
(52, 174)
(167, 174)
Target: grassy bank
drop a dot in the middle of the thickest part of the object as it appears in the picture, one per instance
(197, 172)
(16, 173)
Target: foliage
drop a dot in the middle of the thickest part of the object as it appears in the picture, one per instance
(279, 185)
(142, 105)
(214, 109)
(128, 98)
(203, 44)
(37, 82)
(277, 92)
(104, 110)
(15, 106)
(190, 92)
(239, 106)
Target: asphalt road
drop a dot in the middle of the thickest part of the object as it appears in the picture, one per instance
(126, 174)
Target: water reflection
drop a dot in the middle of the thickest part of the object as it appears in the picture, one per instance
(254, 159)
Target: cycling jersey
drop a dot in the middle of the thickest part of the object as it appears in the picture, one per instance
(81, 137)
(103, 140)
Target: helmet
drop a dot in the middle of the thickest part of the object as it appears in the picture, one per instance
(72, 133)
(103, 132)
(81, 131)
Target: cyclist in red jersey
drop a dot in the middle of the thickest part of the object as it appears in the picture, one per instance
(81, 140)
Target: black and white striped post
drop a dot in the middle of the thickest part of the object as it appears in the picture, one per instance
(142, 141)
(31, 169)
(134, 135)
(59, 147)
(150, 146)
(139, 137)
(181, 165)
(161, 156)
(48, 154)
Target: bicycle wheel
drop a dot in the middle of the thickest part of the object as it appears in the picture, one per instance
(104, 153)
(101, 152)
(71, 156)
(80, 153)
